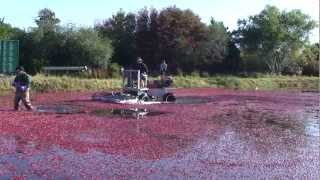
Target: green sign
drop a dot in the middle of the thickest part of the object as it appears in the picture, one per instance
(9, 56)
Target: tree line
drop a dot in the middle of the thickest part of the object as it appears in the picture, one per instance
(272, 41)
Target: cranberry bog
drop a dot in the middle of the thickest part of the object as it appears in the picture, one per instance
(207, 134)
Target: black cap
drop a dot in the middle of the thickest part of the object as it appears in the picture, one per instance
(19, 68)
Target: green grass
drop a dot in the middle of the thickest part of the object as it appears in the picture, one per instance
(43, 83)
(262, 83)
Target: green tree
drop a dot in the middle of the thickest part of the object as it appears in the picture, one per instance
(63, 46)
(47, 20)
(213, 49)
(43, 45)
(121, 30)
(7, 31)
(147, 38)
(154, 55)
(180, 33)
(30, 53)
(86, 47)
(274, 36)
(142, 31)
(232, 62)
(143, 35)
(309, 60)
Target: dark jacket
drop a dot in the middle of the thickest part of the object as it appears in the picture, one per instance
(142, 67)
(22, 79)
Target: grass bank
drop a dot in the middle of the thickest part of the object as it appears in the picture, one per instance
(42, 83)
(262, 83)
(51, 83)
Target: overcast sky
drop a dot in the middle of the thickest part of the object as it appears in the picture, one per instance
(21, 13)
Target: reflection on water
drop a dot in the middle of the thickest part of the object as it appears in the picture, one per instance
(282, 125)
(245, 143)
(270, 131)
(59, 109)
(260, 151)
(135, 113)
(193, 100)
(312, 129)
(311, 124)
(237, 152)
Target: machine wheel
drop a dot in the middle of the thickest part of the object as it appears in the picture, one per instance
(169, 97)
(143, 97)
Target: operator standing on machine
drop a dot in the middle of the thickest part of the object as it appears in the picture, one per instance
(143, 71)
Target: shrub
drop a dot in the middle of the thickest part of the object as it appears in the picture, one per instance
(205, 74)
(113, 70)
(195, 74)
(311, 69)
(292, 69)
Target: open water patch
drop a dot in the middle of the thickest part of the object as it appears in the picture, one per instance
(283, 125)
(135, 113)
(193, 100)
(59, 109)
(311, 91)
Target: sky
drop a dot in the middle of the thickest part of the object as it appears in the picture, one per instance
(21, 13)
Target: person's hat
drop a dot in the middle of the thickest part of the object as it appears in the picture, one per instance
(19, 68)
(139, 60)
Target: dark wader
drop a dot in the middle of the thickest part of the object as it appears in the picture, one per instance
(23, 96)
(22, 82)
